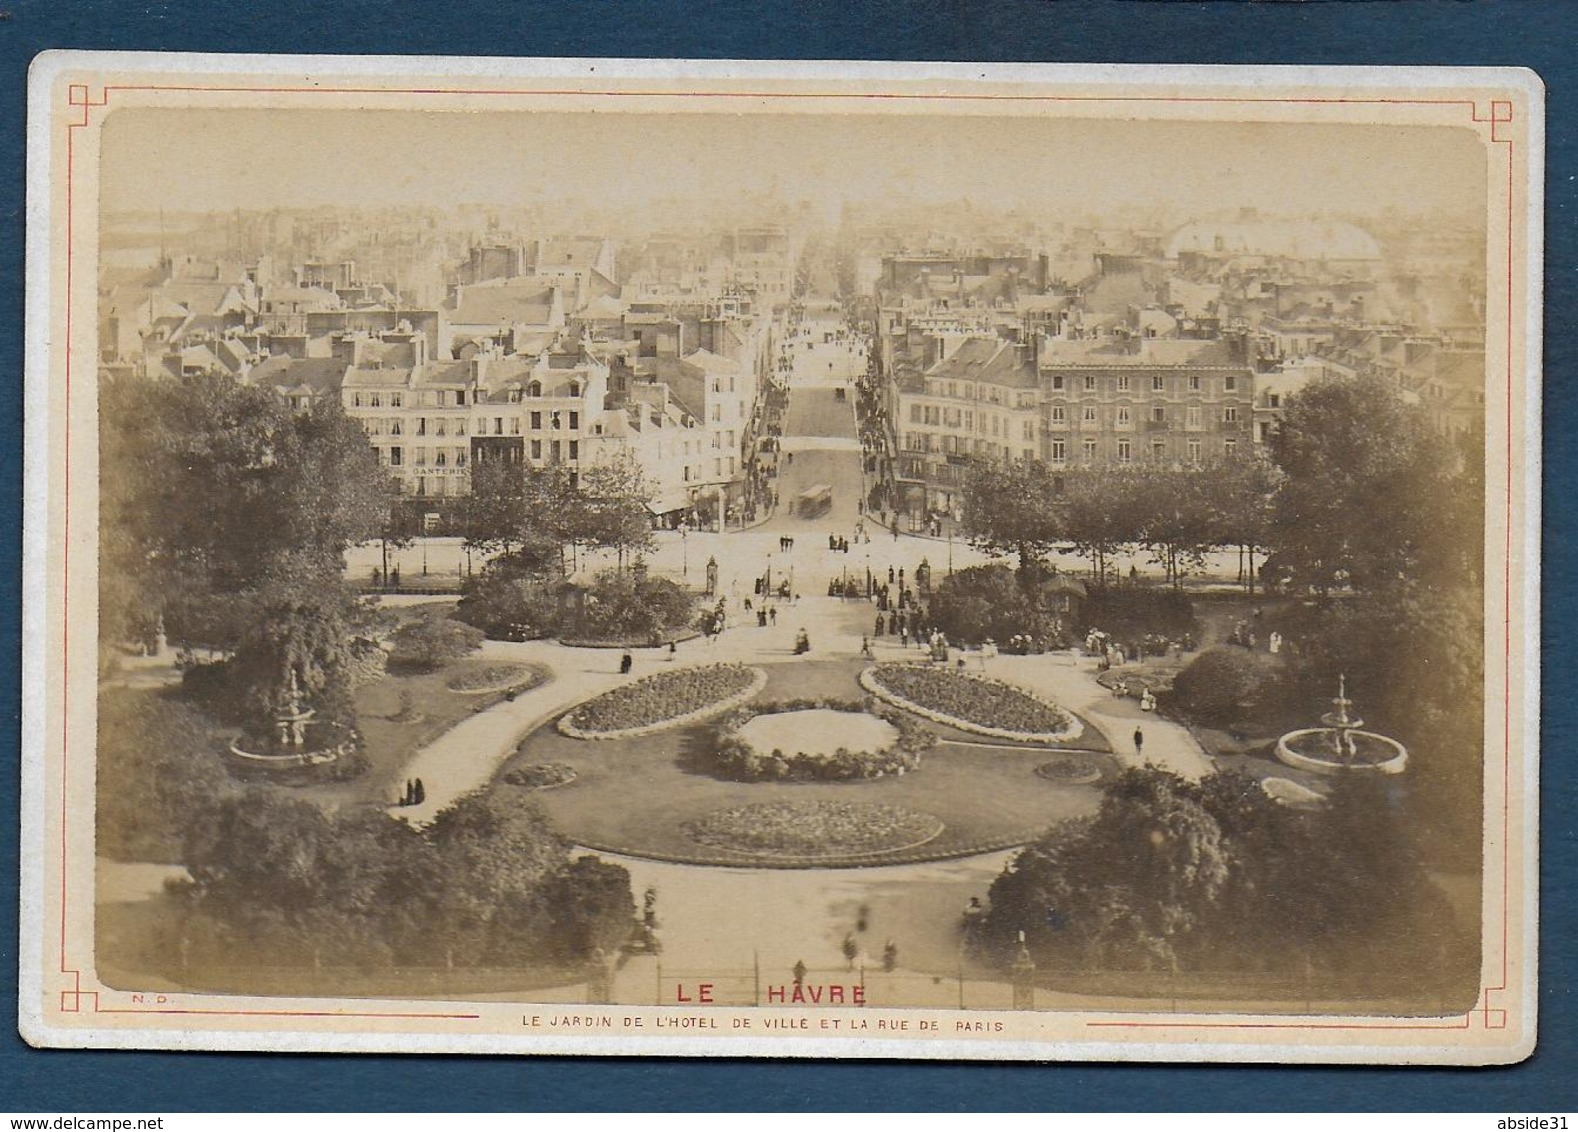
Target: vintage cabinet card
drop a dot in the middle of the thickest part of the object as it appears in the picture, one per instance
(811, 560)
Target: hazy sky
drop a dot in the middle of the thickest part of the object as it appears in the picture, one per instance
(205, 159)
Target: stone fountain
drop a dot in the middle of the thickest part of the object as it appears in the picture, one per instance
(295, 738)
(1340, 744)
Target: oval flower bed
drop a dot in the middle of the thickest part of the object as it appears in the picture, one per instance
(496, 678)
(541, 776)
(1071, 770)
(969, 702)
(662, 700)
(812, 830)
(737, 757)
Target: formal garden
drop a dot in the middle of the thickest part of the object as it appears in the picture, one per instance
(807, 763)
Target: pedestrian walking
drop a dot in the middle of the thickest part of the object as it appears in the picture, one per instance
(626, 662)
(1139, 740)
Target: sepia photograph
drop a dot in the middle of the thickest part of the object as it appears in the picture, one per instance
(783, 560)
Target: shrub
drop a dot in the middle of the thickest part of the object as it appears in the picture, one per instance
(509, 606)
(632, 606)
(735, 757)
(369, 662)
(993, 601)
(1223, 683)
(432, 642)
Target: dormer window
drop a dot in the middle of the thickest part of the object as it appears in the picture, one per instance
(534, 389)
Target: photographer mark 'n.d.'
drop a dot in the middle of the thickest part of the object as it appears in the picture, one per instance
(898, 561)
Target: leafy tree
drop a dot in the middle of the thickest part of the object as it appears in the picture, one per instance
(1350, 450)
(157, 769)
(1176, 875)
(210, 487)
(1173, 512)
(298, 633)
(521, 510)
(1012, 508)
(610, 508)
(490, 854)
(590, 908)
(1240, 491)
(1100, 516)
(279, 881)
(1134, 887)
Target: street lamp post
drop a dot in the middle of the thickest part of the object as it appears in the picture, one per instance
(684, 549)
(1023, 973)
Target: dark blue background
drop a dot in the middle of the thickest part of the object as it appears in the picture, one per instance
(1531, 33)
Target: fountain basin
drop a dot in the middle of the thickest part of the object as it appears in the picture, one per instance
(1311, 748)
(323, 743)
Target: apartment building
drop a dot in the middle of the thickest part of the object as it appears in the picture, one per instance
(980, 401)
(1119, 398)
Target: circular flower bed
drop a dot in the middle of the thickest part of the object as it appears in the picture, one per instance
(662, 700)
(495, 678)
(738, 757)
(541, 776)
(971, 703)
(1071, 770)
(810, 830)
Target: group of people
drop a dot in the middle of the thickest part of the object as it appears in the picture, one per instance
(1121, 689)
(1248, 636)
(1115, 653)
(413, 794)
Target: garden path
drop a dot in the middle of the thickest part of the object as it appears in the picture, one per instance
(1070, 681)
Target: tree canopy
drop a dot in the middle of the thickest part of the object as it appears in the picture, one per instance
(1171, 875)
(532, 512)
(1369, 492)
(1012, 508)
(212, 490)
(279, 881)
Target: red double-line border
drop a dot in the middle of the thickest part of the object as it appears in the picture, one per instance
(1498, 113)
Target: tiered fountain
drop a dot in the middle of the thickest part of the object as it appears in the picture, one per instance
(1340, 745)
(296, 739)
